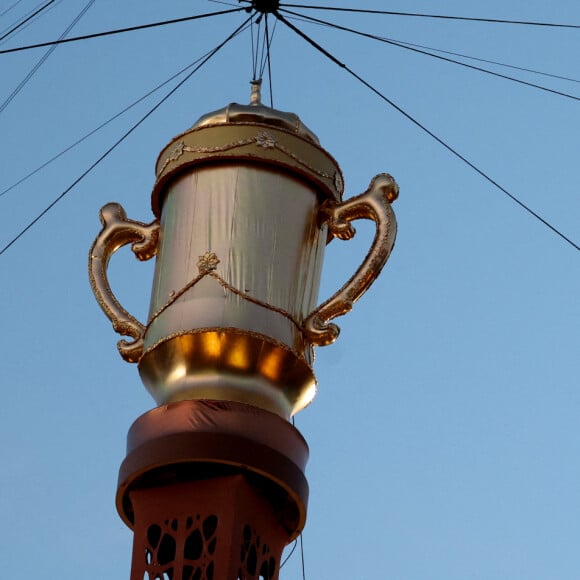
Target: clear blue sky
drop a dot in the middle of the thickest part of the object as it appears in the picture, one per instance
(445, 434)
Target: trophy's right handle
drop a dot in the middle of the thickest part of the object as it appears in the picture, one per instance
(119, 231)
(374, 204)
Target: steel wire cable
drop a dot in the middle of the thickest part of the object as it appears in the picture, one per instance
(436, 56)
(257, 54)
(26, 19)
(101, 126)
(268, 36)
(261, 54)
(421, 126)
(495, 62)
(265, 55)
(118, 31)
(436, 16)
(224, 3)
(268, 60)
(254, 50)
(44, 58)
(30, 23)
(293, 549)
(239, 29)
(6, 10)
(262, 45)
(302, 556)
(21, 20)
(312, 20)
(300, 537)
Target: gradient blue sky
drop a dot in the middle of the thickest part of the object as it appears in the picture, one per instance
(444, 438)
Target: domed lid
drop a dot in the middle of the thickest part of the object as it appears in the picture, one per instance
(256, 112)
(249, 134)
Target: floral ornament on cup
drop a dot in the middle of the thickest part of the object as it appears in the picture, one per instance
(207, 263)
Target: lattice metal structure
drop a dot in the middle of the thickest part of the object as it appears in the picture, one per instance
(227, 532)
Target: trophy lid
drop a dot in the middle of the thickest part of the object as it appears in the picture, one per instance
(254, 134)
(256, 112)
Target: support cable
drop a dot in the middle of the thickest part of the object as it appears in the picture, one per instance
(302, 556)
(436, 56)
(268, 58)
(425, 129)
(101, 126)
(44, 57)
(290, 554)
(28, 24)
(264, 43)
(254, 50)
(119, 30)
(266, 61)
(495, 62)
(312, 20)
(223, 3)
(25, 20)
(261, 45)
(438, 16)
(6, 10)
(300, 536)
(122, 138)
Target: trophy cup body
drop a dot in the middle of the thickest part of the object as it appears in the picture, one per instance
(238, 269)
(245, 202)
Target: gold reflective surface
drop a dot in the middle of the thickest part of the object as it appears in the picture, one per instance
(119, 231)
(374, 204)
(247, 201)
(255, 142)
(228, 364)
(255, 112)
(241, 247)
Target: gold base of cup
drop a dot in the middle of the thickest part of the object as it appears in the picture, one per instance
(228, 364)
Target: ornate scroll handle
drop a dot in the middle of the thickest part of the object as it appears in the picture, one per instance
(374, 204)
(119, 231)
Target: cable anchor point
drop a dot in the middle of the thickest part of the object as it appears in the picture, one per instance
(265, 6)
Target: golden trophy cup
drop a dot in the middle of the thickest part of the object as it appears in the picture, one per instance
(245, 202)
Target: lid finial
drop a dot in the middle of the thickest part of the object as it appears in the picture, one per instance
(256, 95)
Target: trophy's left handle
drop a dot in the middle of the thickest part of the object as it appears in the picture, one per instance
(119, 231)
